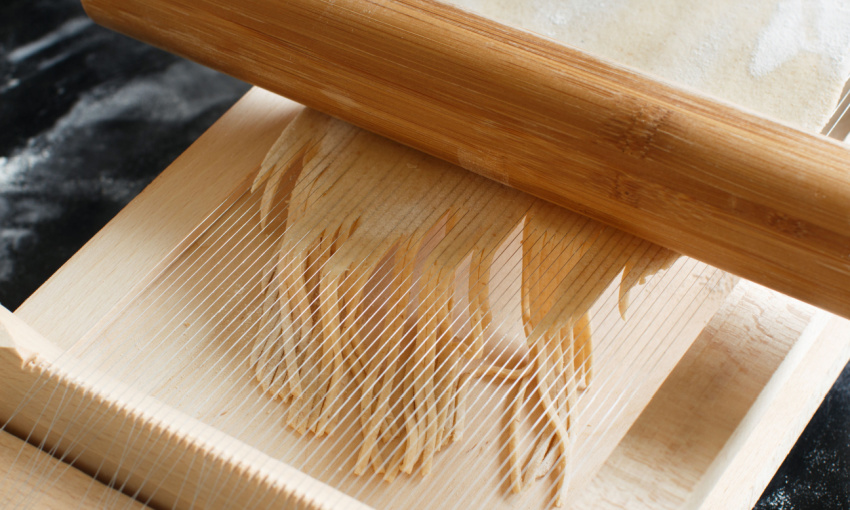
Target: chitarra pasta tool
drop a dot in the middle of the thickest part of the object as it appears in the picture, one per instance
(480, 268)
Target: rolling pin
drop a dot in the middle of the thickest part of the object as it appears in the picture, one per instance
(743, 193)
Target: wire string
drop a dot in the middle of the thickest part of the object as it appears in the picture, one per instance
(149, 351)
(82, 411)
(178, 274)
(90, 366)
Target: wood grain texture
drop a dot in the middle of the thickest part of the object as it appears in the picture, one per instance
(740, 192)
(120, 435)
(722, 423)
(55, 486)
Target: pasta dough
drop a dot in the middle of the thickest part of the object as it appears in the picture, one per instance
(786, 59)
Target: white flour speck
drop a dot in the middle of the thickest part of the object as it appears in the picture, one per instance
(820, 26)
(66, 30)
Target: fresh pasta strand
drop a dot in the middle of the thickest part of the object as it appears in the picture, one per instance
(382, 292)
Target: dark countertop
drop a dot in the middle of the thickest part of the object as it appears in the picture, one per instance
(88, 118)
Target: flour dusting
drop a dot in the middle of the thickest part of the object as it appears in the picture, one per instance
(821, 27)
(68, 30)
(785, 59)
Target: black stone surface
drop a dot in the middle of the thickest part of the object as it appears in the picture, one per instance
(89, 117)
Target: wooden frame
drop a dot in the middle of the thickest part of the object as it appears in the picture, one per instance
(746, 417)
(67, 488)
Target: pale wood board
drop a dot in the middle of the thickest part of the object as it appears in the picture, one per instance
(135, 242)
(660, 327)
(186, 337)
(60, 486)
(724, 420)
(708, 400)
(124, 436)
(70, 304)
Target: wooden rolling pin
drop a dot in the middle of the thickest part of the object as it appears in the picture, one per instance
(743, 193)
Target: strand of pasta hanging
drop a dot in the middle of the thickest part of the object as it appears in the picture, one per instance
(383, 275)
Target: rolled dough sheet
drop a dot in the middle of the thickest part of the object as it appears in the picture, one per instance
(786, 59)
